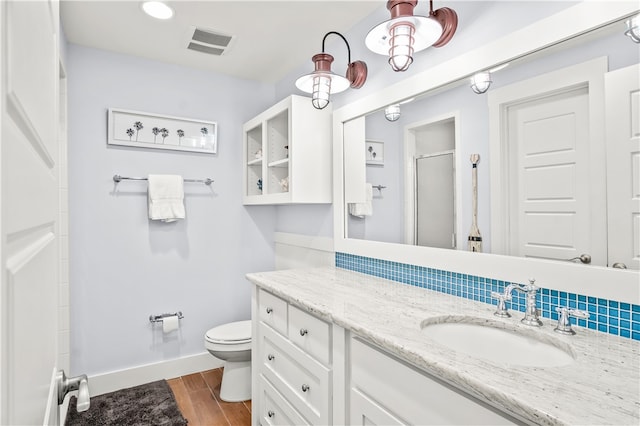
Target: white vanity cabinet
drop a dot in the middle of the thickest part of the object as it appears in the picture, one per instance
(292, 364)
(387, 391)
(309, 371)
(287, 154)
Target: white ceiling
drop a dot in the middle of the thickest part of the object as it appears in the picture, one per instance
(272, 38)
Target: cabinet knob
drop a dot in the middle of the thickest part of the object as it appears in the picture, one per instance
(303, 331)
(271, 413)
(269, 310)
(270, 357)
(305, 388)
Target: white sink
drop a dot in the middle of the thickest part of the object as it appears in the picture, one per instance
(492, 341)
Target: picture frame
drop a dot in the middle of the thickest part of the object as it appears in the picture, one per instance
(146, 130)
(374, 152)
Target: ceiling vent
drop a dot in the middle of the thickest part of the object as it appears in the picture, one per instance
(210, 42)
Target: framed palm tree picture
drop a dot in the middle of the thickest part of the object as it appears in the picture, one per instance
(147, 130)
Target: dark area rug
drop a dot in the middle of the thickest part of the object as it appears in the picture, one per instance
(149, 404)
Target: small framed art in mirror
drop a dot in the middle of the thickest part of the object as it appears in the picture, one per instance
(374, 153)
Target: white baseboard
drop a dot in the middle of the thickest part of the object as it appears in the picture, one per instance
(121, 379)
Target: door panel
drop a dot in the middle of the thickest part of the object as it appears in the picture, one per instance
(622, 97)
(552, 203)
(29, 210)
(26, 270)
(31, 84)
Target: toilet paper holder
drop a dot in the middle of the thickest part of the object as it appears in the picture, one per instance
(159, 318)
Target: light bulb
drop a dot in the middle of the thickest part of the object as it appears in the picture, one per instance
(401, 51)
(321, 91)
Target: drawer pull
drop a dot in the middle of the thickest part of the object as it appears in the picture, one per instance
(269, 310)
(270, 357)
(305, 388)
(303, 331)
(271, 413)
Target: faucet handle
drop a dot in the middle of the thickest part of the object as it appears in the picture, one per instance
(532, 285)
(501, 309)
(564, 325)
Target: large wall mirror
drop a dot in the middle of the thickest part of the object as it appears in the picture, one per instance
(540, 173)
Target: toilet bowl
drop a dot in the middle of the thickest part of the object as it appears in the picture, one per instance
(232, 343)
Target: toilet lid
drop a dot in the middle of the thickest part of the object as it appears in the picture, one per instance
(236, 332)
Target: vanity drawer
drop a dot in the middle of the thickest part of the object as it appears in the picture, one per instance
(310, 333)
(274, 409)
(273, 311)
(301, 380)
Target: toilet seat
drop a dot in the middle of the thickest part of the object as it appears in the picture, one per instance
(233, 333)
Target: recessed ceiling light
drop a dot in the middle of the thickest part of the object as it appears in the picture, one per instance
(157, 9)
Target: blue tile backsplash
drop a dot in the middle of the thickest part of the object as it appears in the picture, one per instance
(607, 316)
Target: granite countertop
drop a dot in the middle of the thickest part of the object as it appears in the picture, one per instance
(602, 385)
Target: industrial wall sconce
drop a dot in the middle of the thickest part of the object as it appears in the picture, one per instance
(322, 82)
(392, 112)
(405, 34)
(480, 82)
(633, 28)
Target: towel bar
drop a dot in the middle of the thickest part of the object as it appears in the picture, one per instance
(118, 178)
(159, 318)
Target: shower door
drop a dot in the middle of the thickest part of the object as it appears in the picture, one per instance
(435, 200)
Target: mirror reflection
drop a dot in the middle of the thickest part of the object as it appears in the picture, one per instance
(543, 164)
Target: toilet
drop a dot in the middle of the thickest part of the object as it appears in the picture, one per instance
(232, 343)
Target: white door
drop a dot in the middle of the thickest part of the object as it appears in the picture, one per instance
(548, 180)
(622, 94)
(29, 212)
(550, 169)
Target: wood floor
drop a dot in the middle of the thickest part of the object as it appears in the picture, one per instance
(198, 397)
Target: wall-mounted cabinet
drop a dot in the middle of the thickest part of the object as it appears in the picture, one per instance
(287, 154)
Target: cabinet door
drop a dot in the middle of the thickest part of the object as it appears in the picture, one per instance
(412, 395)
(364, 411)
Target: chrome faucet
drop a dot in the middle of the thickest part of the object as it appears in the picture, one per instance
(564, 326)
(531, 310)
(501, 309)
(531, 316)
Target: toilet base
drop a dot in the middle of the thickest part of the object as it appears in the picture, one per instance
(236, 381)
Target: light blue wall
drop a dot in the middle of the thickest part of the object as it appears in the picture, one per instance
(124, 267)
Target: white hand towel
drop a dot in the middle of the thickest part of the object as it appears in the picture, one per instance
(166, 197)
(363, 209)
